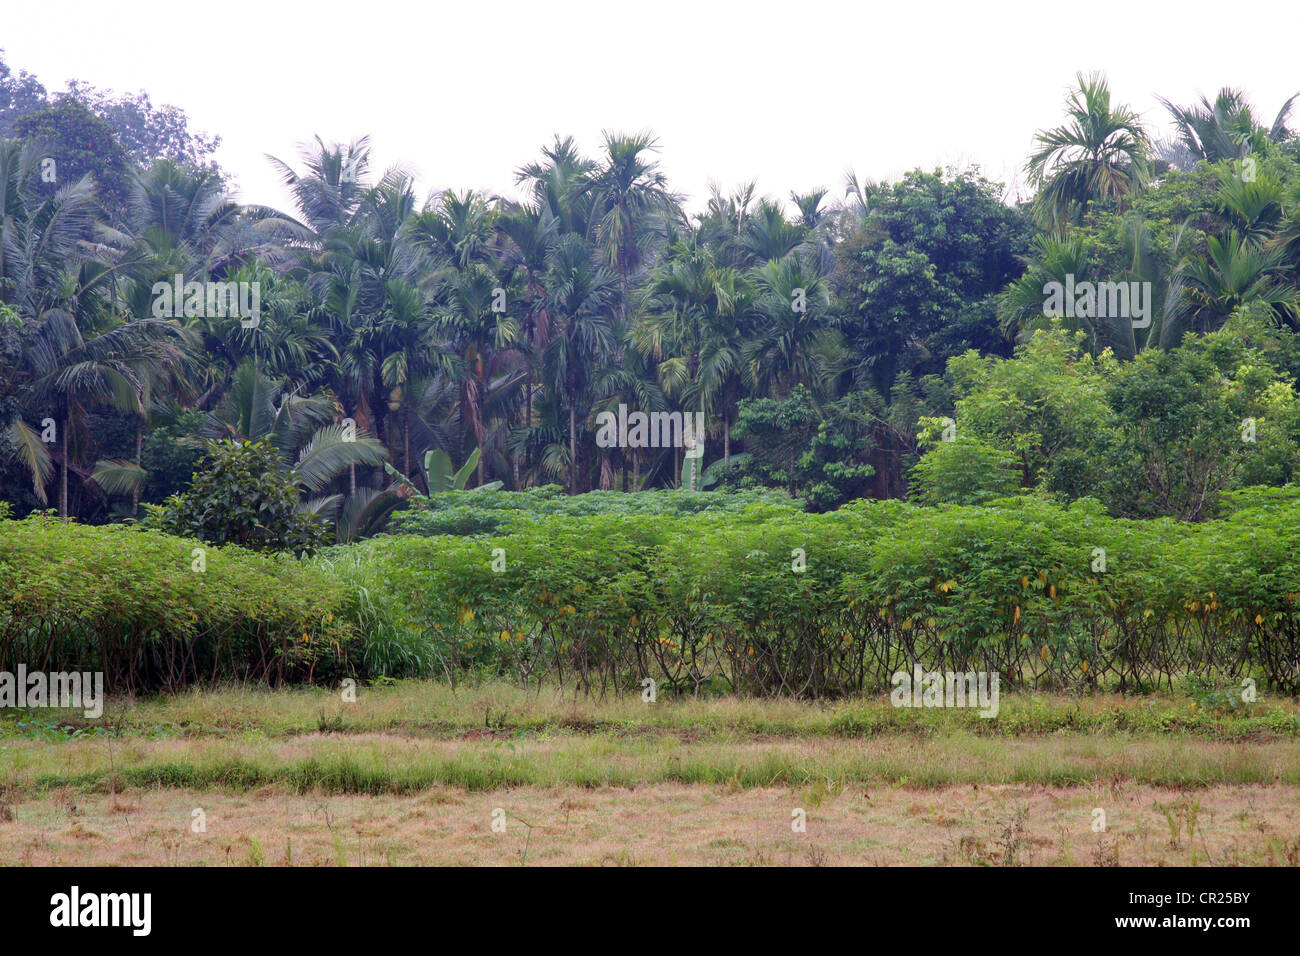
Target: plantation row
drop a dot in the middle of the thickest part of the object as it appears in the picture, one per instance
(767, 600)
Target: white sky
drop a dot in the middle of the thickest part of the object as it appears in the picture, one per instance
(792, 94)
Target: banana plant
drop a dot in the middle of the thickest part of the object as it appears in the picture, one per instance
(441, 475)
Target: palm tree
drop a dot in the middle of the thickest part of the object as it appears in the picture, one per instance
(1054, 259)
(329, 192)
(306, 432)
(66, 374)
(582, 295)
(789, 326)
(1101, 153)
(1227, 129)
(75, 351)
(557, 184)
(768, 236)
(1236, 273)
(631, 203)
(690, 326)
(483, 343)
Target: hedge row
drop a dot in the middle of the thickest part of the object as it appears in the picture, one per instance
(777, 602)
(151, 612)
(767, 600)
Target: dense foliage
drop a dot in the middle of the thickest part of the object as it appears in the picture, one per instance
(154, 611)
(774, 601)
(918, 445)
(816, 337)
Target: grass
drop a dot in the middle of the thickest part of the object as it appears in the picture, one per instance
(384, 764)
(668, 824)
(857, 768)
(432, 709)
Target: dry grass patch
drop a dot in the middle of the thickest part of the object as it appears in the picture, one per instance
(666, 824)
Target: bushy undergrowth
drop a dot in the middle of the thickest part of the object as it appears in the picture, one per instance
(765, 600)
(488, 511)
(134, 604)
(773, 601)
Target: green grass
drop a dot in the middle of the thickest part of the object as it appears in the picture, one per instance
(409, 736)
(385, 765)
(424, 708)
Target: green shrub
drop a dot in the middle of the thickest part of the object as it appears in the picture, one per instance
(489, 510)
(155, 611)
(241, 495)
(774, 601)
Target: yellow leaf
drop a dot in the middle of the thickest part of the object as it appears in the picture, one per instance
(1016, 619)
(1044, 652)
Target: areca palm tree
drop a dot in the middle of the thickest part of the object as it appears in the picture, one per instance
(557, 184)
(66, 374)
(1100, 153)
(483, 343)
(582, 295)
(631, 203)
(691, 327)
(768, 236)
(789, 326)
(76, 352)
(1053, 259)
(329, 191)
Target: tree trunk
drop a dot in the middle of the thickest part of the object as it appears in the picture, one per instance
(63, 480)
(726, 439)
(139, 463)
(573, 447)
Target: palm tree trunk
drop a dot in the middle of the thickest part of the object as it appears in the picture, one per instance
(573, 447)
(63, 480)
(726, 439)
(139, 459)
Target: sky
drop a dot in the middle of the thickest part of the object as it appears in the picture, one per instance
(793, 95)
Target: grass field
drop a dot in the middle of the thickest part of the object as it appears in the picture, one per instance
(413, 773)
